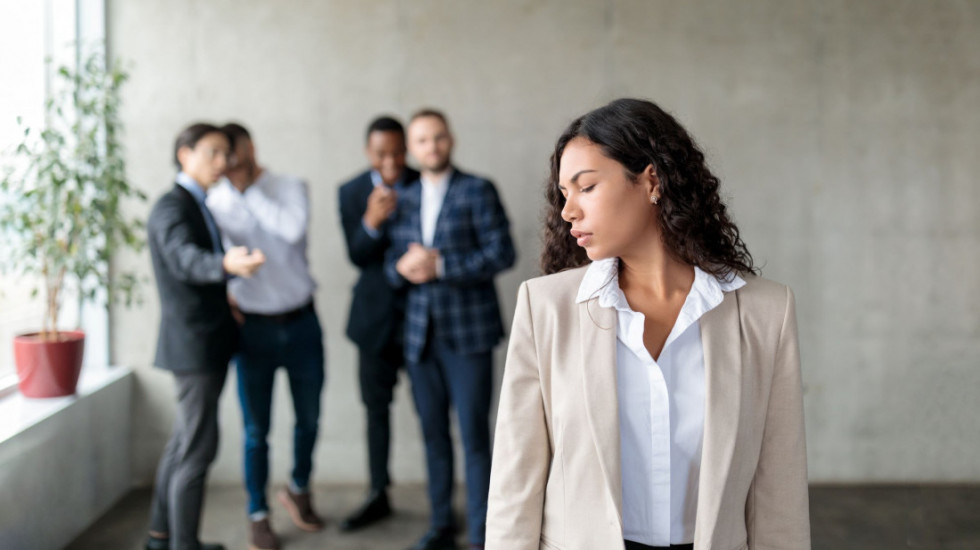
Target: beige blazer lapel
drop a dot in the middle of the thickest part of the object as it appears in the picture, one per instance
(721, 336)
(597, 331)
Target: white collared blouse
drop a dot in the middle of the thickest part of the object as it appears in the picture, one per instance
(661, 407)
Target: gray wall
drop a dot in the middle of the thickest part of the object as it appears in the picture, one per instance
(846, 135)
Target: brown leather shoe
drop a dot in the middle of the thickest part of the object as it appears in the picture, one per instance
(261, 536)
(300, 508)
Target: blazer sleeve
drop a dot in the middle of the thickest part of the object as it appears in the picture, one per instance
(396, 248)
(395, 279)
(184, 259)
(777, 509)
(495, 250)
(361, 246)
(522, 450)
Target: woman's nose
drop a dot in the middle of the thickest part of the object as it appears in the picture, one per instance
(569, 212)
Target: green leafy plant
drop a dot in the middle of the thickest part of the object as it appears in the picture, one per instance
(62, 192)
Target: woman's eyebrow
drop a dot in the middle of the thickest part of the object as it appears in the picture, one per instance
(579, 173)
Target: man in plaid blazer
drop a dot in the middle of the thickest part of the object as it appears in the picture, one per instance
(449, 237)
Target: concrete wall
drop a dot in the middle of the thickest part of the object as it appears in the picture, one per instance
(846, 135)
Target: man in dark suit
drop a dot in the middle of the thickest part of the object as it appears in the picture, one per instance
(450, 237)
(197, 333)
(375, 321)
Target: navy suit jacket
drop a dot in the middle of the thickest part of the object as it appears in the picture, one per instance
(197, 331)
(473, 237)
(376, 309)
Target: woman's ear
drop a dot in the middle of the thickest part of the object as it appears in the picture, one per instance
(651, 181)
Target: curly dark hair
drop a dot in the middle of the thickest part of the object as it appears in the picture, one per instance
(694, 222)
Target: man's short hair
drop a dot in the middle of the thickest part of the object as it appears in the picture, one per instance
(235, 131)
(188, 137)
(429, 112)
(385, 124)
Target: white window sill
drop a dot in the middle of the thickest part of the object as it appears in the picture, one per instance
(8, 385)
(18, 413)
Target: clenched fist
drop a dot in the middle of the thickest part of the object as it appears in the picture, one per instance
(418, 264)
(381, 204)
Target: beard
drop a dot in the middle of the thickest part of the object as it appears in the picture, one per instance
(438, 167)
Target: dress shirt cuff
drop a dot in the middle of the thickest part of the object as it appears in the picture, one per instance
(440, 266)
(373, 233)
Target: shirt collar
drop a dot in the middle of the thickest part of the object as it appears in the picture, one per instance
(600, 275)
(439, 184)
(192, 186)
(400, 182)
(377, 180)
(602, 280)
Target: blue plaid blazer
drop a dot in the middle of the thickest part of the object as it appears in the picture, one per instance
(473, 237)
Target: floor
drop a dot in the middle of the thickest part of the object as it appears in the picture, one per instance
(842, 518)
(944, 517)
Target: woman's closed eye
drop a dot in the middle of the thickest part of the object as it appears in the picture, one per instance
(583, 189)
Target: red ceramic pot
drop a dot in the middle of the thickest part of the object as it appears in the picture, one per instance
(49, 368)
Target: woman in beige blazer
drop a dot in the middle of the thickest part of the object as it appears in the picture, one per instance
(630, 192)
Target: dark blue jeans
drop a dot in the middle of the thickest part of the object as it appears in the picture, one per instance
(444, 378)
(267, 344)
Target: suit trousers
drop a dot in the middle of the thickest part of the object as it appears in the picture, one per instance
(378, 374)
(444, 378)
(179, 494)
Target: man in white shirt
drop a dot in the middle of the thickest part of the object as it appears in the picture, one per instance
(259, 209)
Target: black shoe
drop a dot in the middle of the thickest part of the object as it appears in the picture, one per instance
(374, 509)
(437, 539)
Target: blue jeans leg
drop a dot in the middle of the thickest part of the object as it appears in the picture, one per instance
(256, 373)
(304, 364)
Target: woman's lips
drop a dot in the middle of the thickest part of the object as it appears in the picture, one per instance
(582, 238)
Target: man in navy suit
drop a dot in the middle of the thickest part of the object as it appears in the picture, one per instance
(449, 237)
(376, 311)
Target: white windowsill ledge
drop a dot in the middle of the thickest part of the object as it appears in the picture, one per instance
(19, 413)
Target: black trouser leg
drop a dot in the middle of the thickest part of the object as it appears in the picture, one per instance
(378, 373)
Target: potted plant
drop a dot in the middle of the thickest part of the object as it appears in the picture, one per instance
(62, 191)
